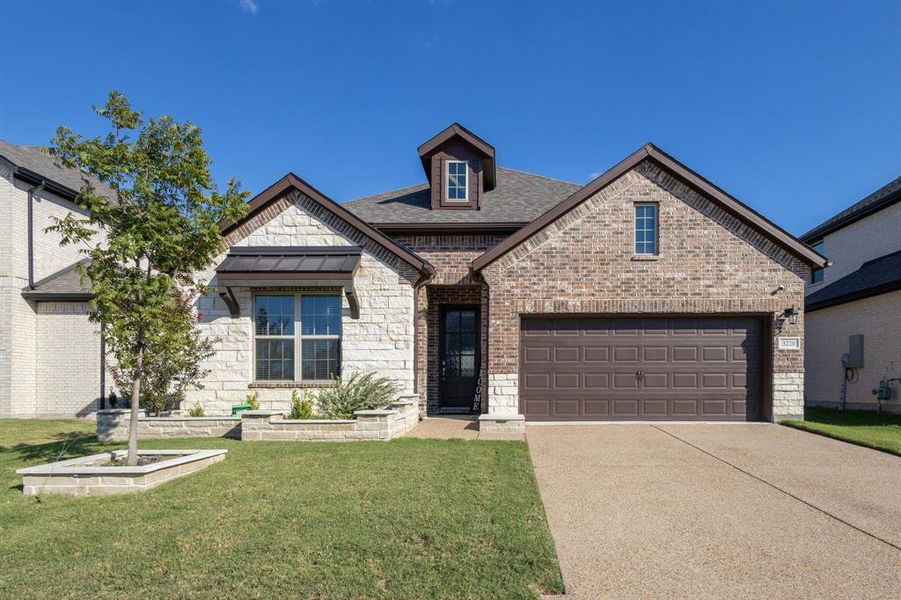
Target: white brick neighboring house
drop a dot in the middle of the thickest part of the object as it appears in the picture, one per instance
(859, 294)
(49, 352)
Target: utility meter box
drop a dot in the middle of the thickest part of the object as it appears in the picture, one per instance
(855, 352)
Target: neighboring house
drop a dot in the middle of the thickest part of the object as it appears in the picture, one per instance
(648, 293)
(854, 306)
(50, 354)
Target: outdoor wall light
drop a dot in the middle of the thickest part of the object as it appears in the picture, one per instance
(791, 313)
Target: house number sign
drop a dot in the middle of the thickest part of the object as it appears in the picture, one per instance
(789, 343)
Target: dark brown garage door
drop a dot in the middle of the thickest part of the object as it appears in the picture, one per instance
(629, 369)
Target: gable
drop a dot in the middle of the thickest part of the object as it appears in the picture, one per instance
(679, 173)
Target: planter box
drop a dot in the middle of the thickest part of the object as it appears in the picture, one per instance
(78, 477)
(112, 426)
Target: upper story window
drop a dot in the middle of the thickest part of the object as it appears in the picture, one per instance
(457, 188)
(645, 229)
(816, 275)
(297, 337)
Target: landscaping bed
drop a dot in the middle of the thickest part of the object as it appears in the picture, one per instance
(880, 431)
(401, 519)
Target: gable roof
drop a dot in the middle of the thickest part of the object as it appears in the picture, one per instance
(876, 276)
(35, 166)
(428, 148)
(517, 199)
(649, 151)
(65, 284)
(292, 182)
(884, 197)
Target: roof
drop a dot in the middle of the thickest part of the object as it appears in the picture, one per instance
(291, 259)
(874, 277)
(292, 182)
(881, 198)
(34, 164)
(518, 198)
(455, 130)
(65, 284)
(649, 151)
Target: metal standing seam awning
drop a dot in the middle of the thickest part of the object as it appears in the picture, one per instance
(276, 266)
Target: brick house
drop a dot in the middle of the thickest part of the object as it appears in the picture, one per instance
(648, 293)
(854, 306)
(50, 353)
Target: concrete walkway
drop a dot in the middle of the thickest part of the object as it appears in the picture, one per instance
(735, 511)
(456, 428)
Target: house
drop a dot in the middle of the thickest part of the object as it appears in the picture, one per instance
(854, 306)
(50, 353)
(648, 293)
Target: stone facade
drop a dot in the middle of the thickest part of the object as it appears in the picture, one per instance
(112, 426)
(709, 262)
(42, 373)
(381, 340)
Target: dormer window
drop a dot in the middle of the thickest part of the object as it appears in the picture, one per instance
(456, 189)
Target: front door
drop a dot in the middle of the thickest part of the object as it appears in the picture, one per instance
(459, 358)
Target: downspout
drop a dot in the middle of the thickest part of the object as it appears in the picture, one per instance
(31, 192)
(102, 365)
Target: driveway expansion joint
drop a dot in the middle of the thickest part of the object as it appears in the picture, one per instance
(777, 488)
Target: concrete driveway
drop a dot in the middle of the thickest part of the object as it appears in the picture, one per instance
(701, 510)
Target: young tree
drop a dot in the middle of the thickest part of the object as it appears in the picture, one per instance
(161, 226)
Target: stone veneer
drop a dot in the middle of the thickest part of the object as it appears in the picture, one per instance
(381, 340)
(384, 425)
(112, 426)
(77, 477)
(709, 262)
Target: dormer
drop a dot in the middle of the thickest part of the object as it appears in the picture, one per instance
(459, 166)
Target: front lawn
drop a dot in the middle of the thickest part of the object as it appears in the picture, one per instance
(403, 519)
(865, 428)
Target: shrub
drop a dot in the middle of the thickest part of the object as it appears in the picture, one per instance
(301, 405)
(358, 392)
(253, 400)
(195, 411)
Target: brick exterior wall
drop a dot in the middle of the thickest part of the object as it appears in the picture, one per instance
(380, 340)
(22, 364)
(453, 283)
(708, 262)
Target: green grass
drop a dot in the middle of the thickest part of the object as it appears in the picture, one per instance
(404, 519)
(864, 428)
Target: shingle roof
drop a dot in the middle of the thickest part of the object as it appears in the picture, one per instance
(65, 284)
(39, 162)
(876, 276)
(884, 196)
(518, 198)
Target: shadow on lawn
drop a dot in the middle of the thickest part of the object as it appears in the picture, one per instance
(862, 418)
(69, 445)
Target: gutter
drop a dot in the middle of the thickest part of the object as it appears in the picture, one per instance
(31, 193)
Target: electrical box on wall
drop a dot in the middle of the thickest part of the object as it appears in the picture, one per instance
(855, 352)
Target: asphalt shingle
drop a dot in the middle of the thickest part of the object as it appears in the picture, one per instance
(883, 273)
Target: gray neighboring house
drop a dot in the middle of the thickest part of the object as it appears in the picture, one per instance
(854, 306)
(50, 354)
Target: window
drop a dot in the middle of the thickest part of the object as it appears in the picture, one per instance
(298, 337)
(816, 275)
(645, 229)
(456, 181)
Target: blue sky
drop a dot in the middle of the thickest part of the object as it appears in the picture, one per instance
(795, 108)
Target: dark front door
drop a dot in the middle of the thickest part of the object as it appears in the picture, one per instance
(459, 358)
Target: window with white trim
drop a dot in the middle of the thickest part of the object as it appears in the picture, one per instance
(297, 337)
(645, 229)
(456, 188)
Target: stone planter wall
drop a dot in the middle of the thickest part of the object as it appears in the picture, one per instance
(385, 424)
(77, 477)
(112, 426)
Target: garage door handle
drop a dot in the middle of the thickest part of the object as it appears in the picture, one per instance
(639, 375)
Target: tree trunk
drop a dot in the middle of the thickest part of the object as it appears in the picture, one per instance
(135, 400)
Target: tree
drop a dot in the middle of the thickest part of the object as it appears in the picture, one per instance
(161, 226)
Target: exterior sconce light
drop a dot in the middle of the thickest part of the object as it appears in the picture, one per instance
(791, 313)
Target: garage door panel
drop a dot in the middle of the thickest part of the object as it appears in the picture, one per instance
(694, 368)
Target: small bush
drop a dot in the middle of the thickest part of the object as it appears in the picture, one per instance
(253, 400)
(358, 392)
(195, 411)
(301, 405)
